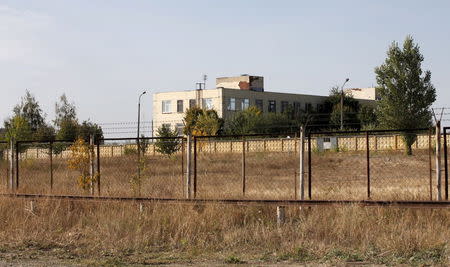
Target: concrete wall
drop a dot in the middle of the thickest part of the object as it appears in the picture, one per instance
(344, 144)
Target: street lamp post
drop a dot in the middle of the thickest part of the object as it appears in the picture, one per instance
(342, 103)
(139, 143)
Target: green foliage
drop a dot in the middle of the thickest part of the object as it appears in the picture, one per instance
(244, 122)
(30, 110)
(406, 92)
(64, 111)
(367, 117)
(199, 121)
(166, 144)
(129, 151)
(87, 128)
(234, 260)
(45, 133)
(143, 144)
(17, 128)
(350, 109)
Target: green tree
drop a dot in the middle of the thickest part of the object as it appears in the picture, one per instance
(44, 133)
(87, 128)
(68, 130)
(190, 119)
(367, 117)
(244, 122)
(30, 110)
(167, 145)
(199, 121)
(64, 111)
(17, 128)
(406, 92)
(350, 109)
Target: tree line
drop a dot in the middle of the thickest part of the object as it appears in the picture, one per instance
(28, 123)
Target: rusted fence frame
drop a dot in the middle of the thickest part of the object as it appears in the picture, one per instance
(446, 162)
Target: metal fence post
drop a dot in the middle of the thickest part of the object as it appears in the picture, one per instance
(438, 161)
(302, 163)
(195, 167)
(91, 162)
(98, 168)
(17, 165)
(430, 165)
(243, 166)
(368, 164)
(11, 165)
(445, 164)
(51, 165)
(188, 167)
(309, 167)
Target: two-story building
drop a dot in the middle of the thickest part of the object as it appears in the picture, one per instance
(232, 94)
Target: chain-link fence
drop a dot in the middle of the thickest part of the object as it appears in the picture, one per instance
(337, 165)
(152, 168)
(255, 167)
(378, 166)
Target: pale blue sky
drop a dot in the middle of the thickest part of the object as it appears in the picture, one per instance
(102, 54)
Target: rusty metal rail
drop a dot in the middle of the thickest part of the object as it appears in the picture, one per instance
(306, 203)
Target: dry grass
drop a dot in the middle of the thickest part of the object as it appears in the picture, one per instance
(118, 233)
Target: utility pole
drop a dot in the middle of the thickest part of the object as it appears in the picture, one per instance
(139, 143)
(342, 103)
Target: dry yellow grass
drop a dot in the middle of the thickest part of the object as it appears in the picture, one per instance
(116, 233)
(177, 233)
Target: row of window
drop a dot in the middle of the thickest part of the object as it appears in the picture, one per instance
(234, 104)
(207, 103)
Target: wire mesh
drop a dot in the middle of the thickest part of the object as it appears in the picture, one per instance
(218, 168)
(255, 167)
(338, 165)
(34, 167)
(395, 175)
(157, 171)
(272, 168)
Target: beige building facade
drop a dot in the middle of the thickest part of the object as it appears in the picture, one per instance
(231, 95)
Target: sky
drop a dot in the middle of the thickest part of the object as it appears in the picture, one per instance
(103, 54)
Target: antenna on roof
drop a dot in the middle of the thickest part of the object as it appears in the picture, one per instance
(205, 77)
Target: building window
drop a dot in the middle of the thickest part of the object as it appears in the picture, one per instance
(231, 104)
(297, 108)
(166, 106)
(207, 103)
(192, 103)
(259, 104)
(308, 107)
(180, 106)
(245, 104)
(179, 127)
(284, 106)
(272, 106)
(320, 108)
